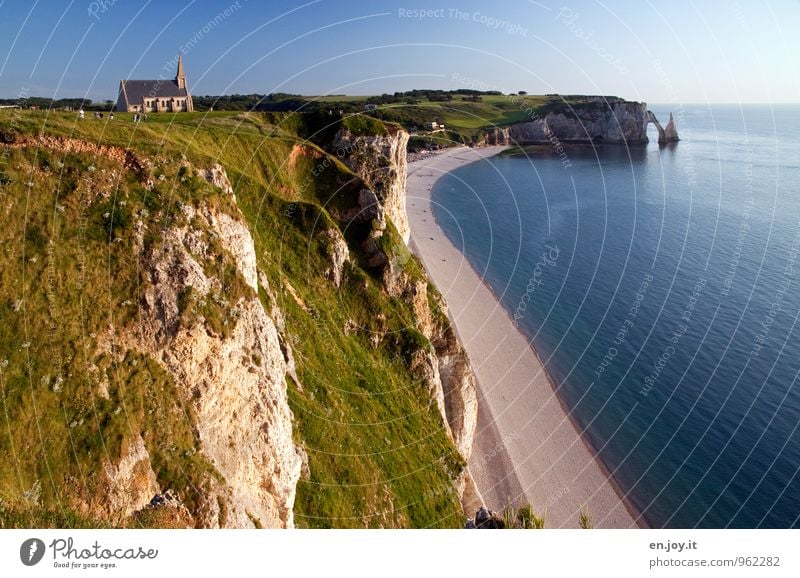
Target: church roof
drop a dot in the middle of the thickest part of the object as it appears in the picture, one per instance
(136, 90)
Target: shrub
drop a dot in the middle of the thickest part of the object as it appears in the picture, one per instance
(523, 517)
(585, 519)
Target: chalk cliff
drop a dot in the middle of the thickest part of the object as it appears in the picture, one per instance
(597, 121)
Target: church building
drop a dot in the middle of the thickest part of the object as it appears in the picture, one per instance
(155, 95)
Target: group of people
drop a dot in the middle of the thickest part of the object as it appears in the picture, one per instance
(99, 115)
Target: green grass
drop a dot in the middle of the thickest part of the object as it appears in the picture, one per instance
(363, 125)
(378, 453)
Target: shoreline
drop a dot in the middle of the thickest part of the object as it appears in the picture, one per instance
(527, 445)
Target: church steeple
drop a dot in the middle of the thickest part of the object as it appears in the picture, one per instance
(180, 78)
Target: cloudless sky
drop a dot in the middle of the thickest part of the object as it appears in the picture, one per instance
(677, 51)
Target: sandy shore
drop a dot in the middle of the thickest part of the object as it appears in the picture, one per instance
(526, 446)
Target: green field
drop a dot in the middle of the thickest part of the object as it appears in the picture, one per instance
(464, 120)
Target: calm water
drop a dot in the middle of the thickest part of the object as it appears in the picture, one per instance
(668, 318)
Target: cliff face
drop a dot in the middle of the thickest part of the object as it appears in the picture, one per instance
(381, 163)
(616, 123)
(234, 374)
(222, 435)
(598, 122)
(236, 378)
(445, 367)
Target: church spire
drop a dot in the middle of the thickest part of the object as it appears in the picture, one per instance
(180, 78)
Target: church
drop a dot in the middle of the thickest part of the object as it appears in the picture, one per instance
(155, 95)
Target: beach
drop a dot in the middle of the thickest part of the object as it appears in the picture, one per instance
(526, 447)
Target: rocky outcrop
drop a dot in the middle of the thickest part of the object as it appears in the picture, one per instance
(131, 481)
(460, 394)
(496, 136)
(670, 132)
(381, 163)
(338, 254)
(455, 386)
(238, 242)
(216, 176)
(236, 377)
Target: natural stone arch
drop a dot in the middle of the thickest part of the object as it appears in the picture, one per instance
(665, 135)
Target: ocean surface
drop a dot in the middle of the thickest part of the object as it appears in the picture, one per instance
(661, 289)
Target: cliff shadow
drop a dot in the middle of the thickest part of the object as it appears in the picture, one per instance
(584, 152)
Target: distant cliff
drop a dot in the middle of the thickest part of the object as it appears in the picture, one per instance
(596, 120)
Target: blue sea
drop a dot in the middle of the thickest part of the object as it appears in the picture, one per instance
(661, 289)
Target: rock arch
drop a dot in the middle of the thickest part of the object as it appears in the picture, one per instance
(665, 135)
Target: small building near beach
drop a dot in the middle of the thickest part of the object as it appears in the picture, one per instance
(162, 95)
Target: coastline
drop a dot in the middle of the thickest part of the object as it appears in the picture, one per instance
(526, 445)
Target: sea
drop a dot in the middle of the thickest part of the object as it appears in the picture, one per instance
(660, 287)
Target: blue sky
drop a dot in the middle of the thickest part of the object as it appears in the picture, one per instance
(681, 51)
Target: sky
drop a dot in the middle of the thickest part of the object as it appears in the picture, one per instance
(666, 52)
